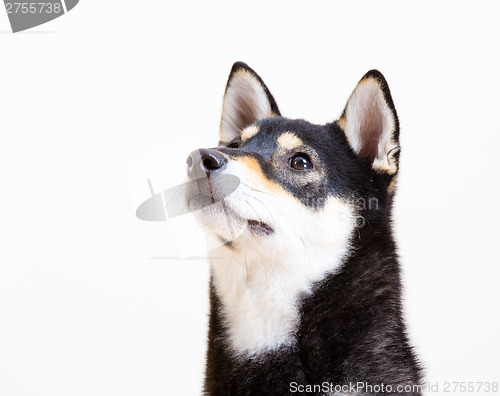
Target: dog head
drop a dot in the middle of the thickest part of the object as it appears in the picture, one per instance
(275, 183)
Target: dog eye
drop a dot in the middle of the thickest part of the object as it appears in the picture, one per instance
(301, 162)
(234, 145)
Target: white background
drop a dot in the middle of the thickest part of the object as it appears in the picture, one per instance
(94, 301)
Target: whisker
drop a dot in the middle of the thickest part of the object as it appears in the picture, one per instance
(307, 250)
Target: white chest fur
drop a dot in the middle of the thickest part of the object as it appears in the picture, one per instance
(260, 280)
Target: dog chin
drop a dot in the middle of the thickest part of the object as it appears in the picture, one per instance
(221, 220)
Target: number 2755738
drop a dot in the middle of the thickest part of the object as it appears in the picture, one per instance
(33, 8)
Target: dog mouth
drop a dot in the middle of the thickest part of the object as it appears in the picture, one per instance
(202, 201)
(212, 200)
(260, 228)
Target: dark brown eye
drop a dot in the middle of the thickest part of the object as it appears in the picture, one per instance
(301, 162)
(234, 145)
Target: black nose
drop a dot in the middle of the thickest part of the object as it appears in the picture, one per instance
(204, 161)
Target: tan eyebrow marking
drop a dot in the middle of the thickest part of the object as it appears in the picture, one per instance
(289, 141)
(249, 132)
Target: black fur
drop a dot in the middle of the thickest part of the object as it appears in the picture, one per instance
(343, 324)
(351, 329)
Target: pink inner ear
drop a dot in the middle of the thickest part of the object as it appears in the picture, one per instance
(246, 111)
(369, 124)
(371, 127)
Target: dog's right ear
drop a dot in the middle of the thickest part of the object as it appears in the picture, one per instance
(371, 125)
(246, 101)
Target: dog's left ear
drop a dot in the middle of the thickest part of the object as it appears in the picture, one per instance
(371, 125)
(246, 100)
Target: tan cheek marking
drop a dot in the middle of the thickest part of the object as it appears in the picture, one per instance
(249, 132)
(260, 181)
(289, 141)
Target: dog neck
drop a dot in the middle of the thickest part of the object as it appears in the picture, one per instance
(259, 286)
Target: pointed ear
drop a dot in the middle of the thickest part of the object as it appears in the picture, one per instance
(246, 100)
(371, 125)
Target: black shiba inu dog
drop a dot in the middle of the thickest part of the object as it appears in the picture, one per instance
(305, 289)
